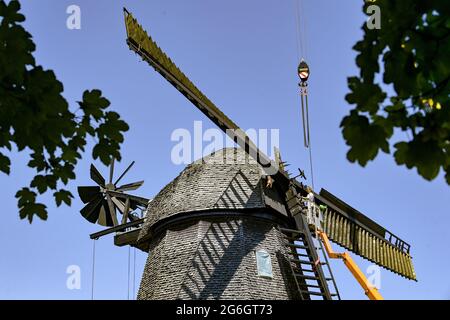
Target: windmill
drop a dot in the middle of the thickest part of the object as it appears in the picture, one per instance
(207, 228)
(104, 200)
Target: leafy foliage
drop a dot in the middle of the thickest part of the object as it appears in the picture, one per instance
(35, 117)
(411, 52)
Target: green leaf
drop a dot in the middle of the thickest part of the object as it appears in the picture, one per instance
(447, 175)
(10, 12)
(5, 164)
(70, 155)
(103, 151)
(63, 196)
(28, 206)
(25, 196)
(407, 62)
(33, 209)
(40, 183)
(35, 116)
(364, 138)
(38, 161)
(65, 172)
(367, 96)
(93, 104)
(427, 157)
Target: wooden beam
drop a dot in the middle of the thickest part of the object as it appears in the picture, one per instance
(121, 195)
(126, 210)
(117, 228)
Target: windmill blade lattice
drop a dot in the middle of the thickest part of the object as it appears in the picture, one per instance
(100, 205)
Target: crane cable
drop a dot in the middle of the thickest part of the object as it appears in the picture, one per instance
(302, 50)
(128, 291)
(93, 269)
(134, 273)
(297, 30)
(132, 282)
(129, 271)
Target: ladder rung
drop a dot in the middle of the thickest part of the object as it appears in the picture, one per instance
(293, 245)
(309, 285)
(313, 293)
(308, 270)
(306, 277)
(302, 255)
(302, 261)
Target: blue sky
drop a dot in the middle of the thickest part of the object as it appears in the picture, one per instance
(242, 55)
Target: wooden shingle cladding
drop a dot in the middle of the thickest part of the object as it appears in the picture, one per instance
(215, 258)
(225, 180)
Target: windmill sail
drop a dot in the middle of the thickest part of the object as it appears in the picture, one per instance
(141, 43)
(352, 230)
(338, 221)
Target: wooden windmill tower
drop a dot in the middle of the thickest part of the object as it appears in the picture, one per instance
(234, 224)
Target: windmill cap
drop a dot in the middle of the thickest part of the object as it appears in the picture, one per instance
(228, 179)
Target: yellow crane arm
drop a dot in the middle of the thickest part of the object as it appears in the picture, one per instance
(369, 290)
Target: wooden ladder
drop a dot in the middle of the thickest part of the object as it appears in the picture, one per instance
(306, 266)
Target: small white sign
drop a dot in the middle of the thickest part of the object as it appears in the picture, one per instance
(264, 264)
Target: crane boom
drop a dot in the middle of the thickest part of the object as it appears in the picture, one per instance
(351, 265)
